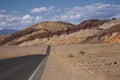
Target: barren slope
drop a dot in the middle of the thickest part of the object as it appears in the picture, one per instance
(74, 34)
(105, 35)
(84, 32)
(89, 28)
(40, 30)
(75, 37)
(115, 39)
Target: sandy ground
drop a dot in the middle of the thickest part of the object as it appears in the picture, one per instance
(74, 61)
(16, 51)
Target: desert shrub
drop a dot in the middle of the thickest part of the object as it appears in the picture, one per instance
(70, 56)
(115, 62)
(81, 52)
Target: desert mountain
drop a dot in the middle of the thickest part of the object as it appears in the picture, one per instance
(40, 30)
(109, 34)
(80, 32)
(57, 32)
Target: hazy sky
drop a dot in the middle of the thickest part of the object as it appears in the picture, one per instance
(19, 14)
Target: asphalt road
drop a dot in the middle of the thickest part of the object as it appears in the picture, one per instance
(20, 68)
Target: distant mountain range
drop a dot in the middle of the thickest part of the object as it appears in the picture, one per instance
(7, 31)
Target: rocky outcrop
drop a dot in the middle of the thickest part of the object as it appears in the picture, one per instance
(115, 38)
(104, 36)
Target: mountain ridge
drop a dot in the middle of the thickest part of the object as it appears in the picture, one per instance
(46, 31)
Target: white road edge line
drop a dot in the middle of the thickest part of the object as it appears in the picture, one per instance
(36, 70)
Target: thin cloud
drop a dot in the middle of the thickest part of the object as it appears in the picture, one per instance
(15, 12)
(98, 10)
(27, 19)
(2, 24)
(18, 22)
(2, 11)
(75, 14)
(42, 9)
(3, 16)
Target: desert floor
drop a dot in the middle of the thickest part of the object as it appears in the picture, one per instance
(74, 61)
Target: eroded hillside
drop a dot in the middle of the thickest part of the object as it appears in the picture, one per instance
(106, 35)
(40, 30)
(57, 32)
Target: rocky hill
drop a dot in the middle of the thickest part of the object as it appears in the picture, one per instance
(104, 33)
(57, 32)
(39, 30)
(109, 35)
(115, 39)
(80, 32)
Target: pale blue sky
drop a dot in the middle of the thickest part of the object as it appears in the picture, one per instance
(19, 14)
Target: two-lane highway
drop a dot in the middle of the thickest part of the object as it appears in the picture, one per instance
(19, 68)
(23, 68)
